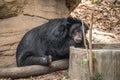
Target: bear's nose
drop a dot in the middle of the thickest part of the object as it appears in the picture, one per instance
(78, 38)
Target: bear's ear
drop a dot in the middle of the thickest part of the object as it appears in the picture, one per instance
(70, 20)
(73, 20)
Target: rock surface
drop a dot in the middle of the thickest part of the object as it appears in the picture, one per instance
(11, 32)
(9, 8)
(43, 8)
(47, 9)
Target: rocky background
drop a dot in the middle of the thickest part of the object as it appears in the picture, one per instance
(19, 16)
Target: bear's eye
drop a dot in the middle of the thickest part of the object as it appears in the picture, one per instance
(76, 30)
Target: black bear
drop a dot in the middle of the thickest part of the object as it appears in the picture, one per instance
(50, 41)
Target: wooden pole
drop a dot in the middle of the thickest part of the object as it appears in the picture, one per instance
(86, 46)
(85, 43)
(90, 49)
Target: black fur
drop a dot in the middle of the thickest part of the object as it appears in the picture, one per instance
(50, 41)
